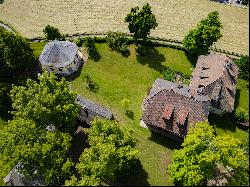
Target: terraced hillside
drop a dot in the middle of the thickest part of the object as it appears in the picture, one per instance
(175, 17)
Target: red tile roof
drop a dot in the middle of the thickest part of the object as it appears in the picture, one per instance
(168, 111)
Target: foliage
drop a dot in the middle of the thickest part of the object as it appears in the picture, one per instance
(92, 85)
(47, 102)
(241, 114)
(141, 50)
(5, 100)
(22, 141)
(92, 51)
(245, 2)
(141, 22)
(125, 103)
(52, 33)
(112, 153)
(117, 41)
(201, 155)
(16, 56)
(168, 74)
(243, 64)
(198, 40)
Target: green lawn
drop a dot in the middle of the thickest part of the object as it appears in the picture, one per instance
(130, 77)
(38, 47)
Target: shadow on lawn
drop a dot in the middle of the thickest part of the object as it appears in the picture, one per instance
(192, 58)
(225, 122)
(75, 74)
(138, 177)
(153, 58)
(237, 98)
(164, 141)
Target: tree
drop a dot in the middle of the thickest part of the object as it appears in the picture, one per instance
(117, 41)
(141, 22)
(16, 57)
(47, 102)
(5, 101)
(203, 154)
(112, 153)
(241, 114)
(52, 33)
(91, 48)
(198, 41)
(245, 2)
(243, 64)
(36, 149)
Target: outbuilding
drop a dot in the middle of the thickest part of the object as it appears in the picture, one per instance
(61, 57)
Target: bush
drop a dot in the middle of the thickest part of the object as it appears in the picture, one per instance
(92, 86)
(92, 51)
(243, 64)
(169, 74)
(52, 33)
(241, 114)
(117, 41)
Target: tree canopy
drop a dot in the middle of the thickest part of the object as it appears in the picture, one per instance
(208, 31)
(112, 153)
(48, 101)
(52, 33)
(141, 22)
(16, 56)
(243, 64)
(203, 154)
(46, 152)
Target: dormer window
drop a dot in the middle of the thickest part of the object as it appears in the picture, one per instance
(205, 68)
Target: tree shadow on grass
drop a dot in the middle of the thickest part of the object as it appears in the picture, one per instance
(137, 177)
(225, 122)
(192, 58)
(130, 114)
(75, 74)
(237, 98)
(153, 58)
(164, 141)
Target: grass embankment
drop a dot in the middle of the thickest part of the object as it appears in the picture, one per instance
(130, 77)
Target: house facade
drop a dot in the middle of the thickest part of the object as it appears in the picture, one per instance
(61, 57)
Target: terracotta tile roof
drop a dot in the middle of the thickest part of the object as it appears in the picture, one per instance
(168, 111)
(182, 115)
(176, 104)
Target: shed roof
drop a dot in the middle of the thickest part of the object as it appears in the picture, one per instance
(58, 53)
(94, 107)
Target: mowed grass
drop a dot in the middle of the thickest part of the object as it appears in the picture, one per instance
(175, 18)
(130, 77)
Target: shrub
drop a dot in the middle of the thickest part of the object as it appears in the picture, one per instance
(117, 41)
(52, 33)
(92, 51)
(92, 86)
(241, 114)
(168, 74)
(243, 64)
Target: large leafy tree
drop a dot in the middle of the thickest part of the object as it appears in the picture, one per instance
(243, 64)
(48, 101)
(203, 154)
(16, 56)
(111, 154)
(141, 22)
(40, 150)
(208, 31)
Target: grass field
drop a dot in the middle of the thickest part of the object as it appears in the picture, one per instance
(119, 77)
(175, 18)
